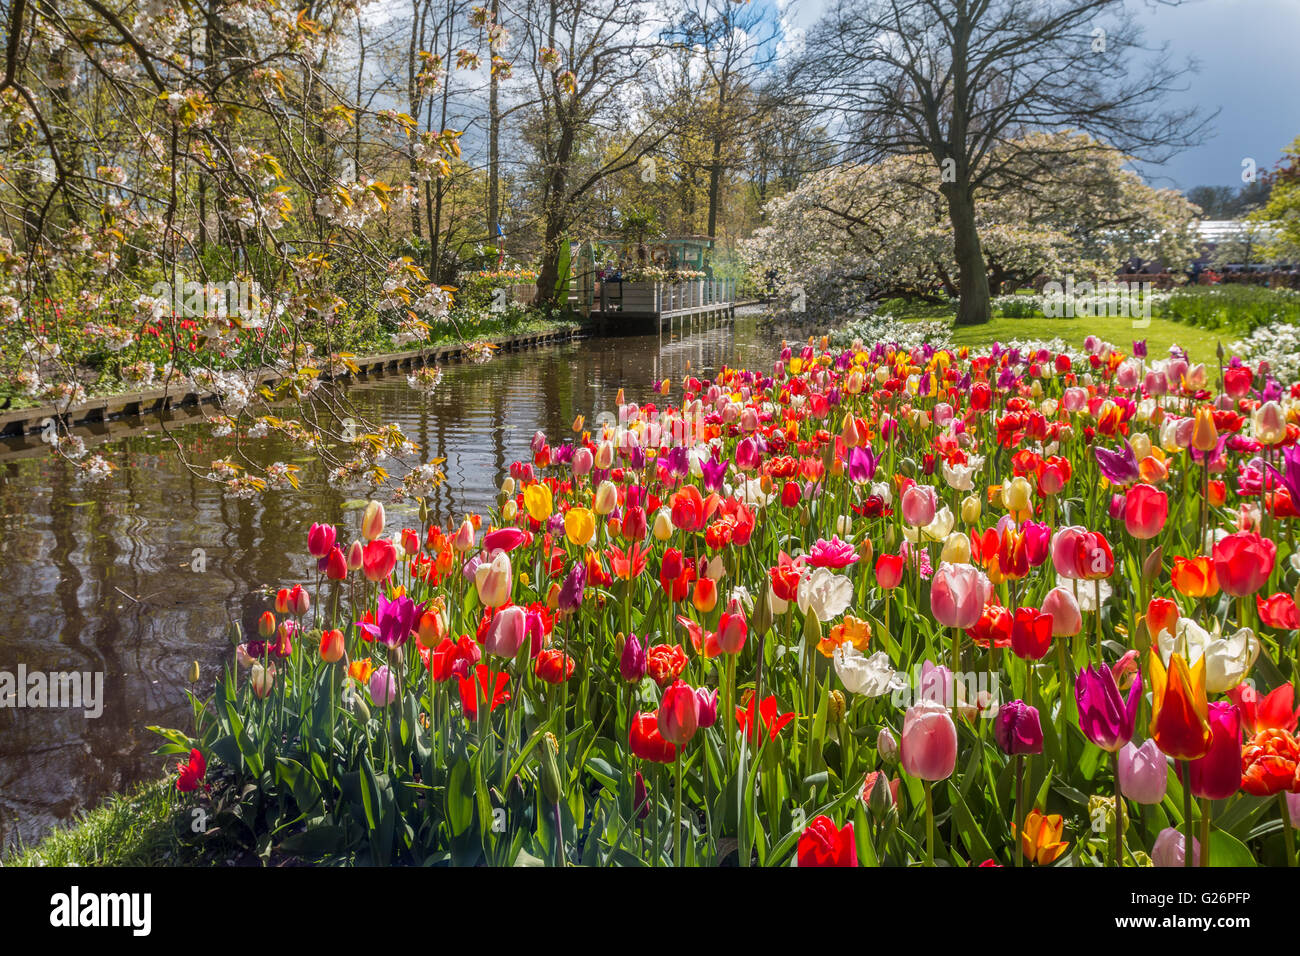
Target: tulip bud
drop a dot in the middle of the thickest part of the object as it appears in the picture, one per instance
(663, 525)
(835, 706)
(236, 634)
(192, 675)
(550, 770)
(372, 521)
(812, 629)
(1153, 565)
(356, 559)
(761, 620)
(970, 509)
(887, 746)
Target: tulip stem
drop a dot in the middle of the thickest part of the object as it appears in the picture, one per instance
(929, 824)
(677, 832)
(1119, 817)
(1205, 831)
(1189, 847)
(1020, 800)
(1288, 834)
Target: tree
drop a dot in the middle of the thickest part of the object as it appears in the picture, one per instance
(955, 80)
(859, 232)
(1282, 211)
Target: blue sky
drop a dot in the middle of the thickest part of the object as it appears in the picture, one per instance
(1248, 67)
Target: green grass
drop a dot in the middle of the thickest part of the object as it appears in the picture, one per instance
(1200, 344)
(139, 828)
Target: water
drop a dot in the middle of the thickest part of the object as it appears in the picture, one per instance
(98, 578)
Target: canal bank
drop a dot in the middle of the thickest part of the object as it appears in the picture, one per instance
(102, 577)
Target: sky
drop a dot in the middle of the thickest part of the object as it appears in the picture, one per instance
(1248, 68)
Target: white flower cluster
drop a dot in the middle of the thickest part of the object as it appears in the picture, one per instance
(1278, 344)
(884, 328)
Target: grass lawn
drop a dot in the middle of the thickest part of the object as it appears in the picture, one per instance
(1201, 344)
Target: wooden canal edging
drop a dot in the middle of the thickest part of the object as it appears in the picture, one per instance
(20, 429)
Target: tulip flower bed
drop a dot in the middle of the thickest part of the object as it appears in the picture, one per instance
(870, 606)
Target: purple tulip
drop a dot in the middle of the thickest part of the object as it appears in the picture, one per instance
(394, 622)
(1018, 730)
(1105, 717)
(632, 664)
(572, 588)
(862, 464)
(1119, 467)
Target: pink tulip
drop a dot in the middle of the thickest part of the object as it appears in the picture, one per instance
(958, 594)
(1143, 773)
(919, 505)
(1064, 610)
(1065, 547)
(929, 742)
(383, 687)
(320, 539)
(507, 632)
(583, 461)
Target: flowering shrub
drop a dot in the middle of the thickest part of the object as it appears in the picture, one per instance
(872, 605)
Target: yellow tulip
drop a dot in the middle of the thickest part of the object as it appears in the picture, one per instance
(579, 526)
(537, 499)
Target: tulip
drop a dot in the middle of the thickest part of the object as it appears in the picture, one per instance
(356, 556)
(1018, 730)
(928, 748)
(606, 498)
(1145, 511)
(262, 679)
(378, 559)
(824, 844)
(1217, 775)
(732, 629)
(1031, 633)
(1041, 837)
(1143, 773)
(646, 742)
(919, 505)
(266, 625)
(579, 526)
(1169, 849)
(632, 660)
(571, 590)
(1205, 436)
(1060, 605)
(1017, 494)
(1227, 660)
(336, 566)
(1243, 562)
(1106, 717)
(506, 633)
(1179, 713)
(1275, 711)
(538, 501)
(372, 521)
(708, 706)
(889, 571)
(679, 713)
(331, 646)
(463, 540)
(958, 594)
(494, 580)
(383, 687)
(1162, 615)
(320, 540)
(662, 528)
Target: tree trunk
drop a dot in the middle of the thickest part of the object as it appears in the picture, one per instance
(972, 276)
(494, 138)
(715, 182)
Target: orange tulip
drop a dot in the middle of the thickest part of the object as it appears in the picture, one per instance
(1180, 720)
(1195, 577)
(705, 597)
(1041, 837)
(1205, 436)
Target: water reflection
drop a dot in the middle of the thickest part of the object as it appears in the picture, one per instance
(98, 578)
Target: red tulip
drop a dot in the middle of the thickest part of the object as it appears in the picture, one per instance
(1145, 511)
(378, 559)
(1278, 611)
(889, 571)
(824, 844)
(1162, 615)
(1276, 711)
(336, 566)
(679, 713)
(1243, 562)
(1031, 634)
(645, 741)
